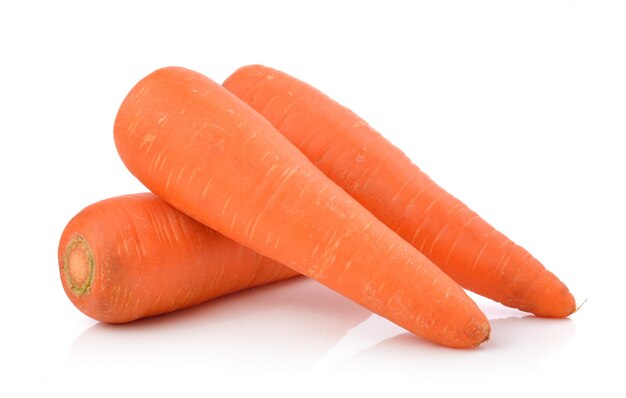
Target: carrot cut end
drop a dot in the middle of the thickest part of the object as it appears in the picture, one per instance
(78, 266)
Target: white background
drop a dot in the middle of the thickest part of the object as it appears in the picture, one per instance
(517, 108)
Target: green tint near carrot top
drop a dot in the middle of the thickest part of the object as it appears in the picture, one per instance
(204, 151)
(135, 256)
(386, 182)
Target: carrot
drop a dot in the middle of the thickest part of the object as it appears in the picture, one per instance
(386, 182)
(204, 151)
(134, 256)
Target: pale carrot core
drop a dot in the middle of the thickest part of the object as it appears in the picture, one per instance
(78, 266)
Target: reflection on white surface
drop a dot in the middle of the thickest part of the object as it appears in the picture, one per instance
(300, 325)
(516, 344)
(286, 325)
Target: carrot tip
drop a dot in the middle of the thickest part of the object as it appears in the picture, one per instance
(486, 332)
(78, 266)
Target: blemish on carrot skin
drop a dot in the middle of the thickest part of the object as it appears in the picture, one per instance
(217, 277)
(140, 91)
(458, 238)
(193, 173)
(271, 169)
(217, 127)
(175, 297)
(252, 136)
(155, 161)
(233, 221)
(434, 282)
(410, 203)
(132, 128)
(118, 249)
(337, 211)
(206, 189)
(169, 178)
(425, 215)
(503, 261)
(417, 319)
(483, 246)
(180, 174)
(126, 248)
(124, 295)
(226, 202)
(406, 183)
(450, 216)
(359, 123)
(345, 270)
(138, 304)
(162, 163)
(372, 296)
(114, 295)
(276, 243)
(256, 222)
(156, 302)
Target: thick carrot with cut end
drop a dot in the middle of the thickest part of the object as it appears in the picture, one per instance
(386, 182)
(135, 256)
(207, 153)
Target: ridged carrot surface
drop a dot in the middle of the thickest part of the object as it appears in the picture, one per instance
(382, 178)
(135, 256)
(207, 153)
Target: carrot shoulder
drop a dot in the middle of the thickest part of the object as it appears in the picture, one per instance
(386, 182)
(207, 153)
(134, 256)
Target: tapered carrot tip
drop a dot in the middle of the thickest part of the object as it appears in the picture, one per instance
(78, 266)
(484, 331)
(551, 298)
(476, 332)
(478, 335)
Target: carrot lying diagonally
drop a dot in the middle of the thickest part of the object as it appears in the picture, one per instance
(207, 153)
(387, 183)
(134, 256)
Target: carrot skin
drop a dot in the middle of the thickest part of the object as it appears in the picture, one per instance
(387, 183)
(147, 258)
(204, 151)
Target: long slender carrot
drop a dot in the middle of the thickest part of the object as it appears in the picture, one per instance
(134, 256)
(386, 182)
(203, 150)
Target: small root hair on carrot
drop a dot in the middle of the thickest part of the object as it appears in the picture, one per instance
(78, 266)
(581, 304)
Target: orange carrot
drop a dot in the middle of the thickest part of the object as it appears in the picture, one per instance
(204, 151)
(134, 256)
(386, 182)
